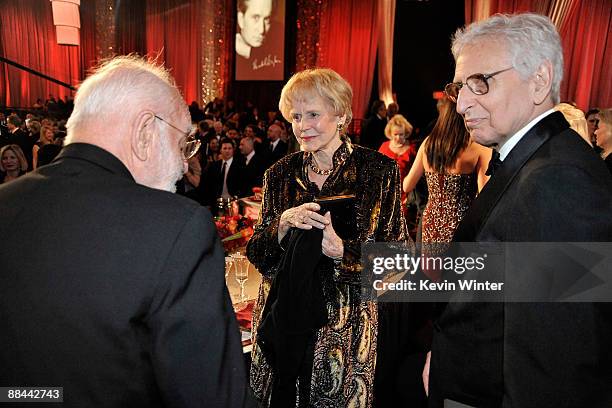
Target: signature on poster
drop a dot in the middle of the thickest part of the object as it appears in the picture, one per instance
(269, 60)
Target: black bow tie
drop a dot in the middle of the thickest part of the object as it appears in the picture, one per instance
(494, 163)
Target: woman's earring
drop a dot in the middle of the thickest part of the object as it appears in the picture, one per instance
(340, 125)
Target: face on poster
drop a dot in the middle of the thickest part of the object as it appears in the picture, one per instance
(260, 40)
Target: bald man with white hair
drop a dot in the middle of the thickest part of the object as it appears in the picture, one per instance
(123, 303)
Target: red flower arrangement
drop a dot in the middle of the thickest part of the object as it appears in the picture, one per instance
(234, 231)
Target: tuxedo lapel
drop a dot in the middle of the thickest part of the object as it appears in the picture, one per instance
(481, 208)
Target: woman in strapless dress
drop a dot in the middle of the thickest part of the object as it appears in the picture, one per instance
(454, 167)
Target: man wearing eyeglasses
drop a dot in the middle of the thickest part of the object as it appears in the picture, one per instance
(120, 294)
(547, 185)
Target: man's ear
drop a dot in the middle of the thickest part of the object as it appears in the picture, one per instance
(240, 19)
(142, 135)
(542, 82)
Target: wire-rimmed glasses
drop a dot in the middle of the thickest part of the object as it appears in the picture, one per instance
(477, 83)
(190, 145)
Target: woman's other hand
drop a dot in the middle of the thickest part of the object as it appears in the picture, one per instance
(332, 244)
(304, 216)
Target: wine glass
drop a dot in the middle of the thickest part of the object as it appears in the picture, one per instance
(242, 273)
(229, 262)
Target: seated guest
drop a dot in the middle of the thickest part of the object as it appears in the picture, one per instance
(12, 163)
(123, 303)
(604, 136)
(211, 154)
(277, 147)
(33, 131)
(46, 137)
(255, 166)
(233, 134)
(18, 137)
(223, 178)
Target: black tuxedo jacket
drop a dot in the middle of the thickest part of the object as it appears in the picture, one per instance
(279, 152)
(120, 297)
(253, 174)
(211, 184)
(550, 188)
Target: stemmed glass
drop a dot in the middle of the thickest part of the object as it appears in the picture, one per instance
(229, 262)
(242, 273)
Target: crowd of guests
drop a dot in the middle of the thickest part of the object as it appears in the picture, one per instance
(32, 138)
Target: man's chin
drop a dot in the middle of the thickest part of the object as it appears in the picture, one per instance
(483, 139)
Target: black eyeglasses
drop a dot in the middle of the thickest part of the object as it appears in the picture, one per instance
(190, 145)
(477, 83)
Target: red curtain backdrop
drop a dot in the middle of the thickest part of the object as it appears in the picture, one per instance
(348, 39)
(28, 38)
(173, 33)
(587, 49)
(586, 34)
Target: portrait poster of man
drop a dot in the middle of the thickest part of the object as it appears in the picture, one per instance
(260, 40)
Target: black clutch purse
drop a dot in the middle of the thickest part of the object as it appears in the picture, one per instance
(342, 209)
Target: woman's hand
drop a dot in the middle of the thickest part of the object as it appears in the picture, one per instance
(332, 244)
(304, 216)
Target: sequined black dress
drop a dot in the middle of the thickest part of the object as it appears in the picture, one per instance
(345, 349)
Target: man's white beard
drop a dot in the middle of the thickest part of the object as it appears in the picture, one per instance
(168, 174)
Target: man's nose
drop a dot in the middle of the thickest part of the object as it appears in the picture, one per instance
(465, 99)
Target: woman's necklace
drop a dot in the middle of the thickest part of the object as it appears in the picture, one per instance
(341, 158)
(317, 170)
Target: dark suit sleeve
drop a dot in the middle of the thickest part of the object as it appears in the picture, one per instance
(196, 350)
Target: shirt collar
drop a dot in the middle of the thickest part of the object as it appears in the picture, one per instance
(505, 149)
(250, 156)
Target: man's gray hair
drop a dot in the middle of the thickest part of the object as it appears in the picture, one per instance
(531, 39)
(117, 88)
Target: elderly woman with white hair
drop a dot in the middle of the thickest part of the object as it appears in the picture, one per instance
(317, 345)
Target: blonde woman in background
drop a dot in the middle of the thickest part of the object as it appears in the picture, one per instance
(46, 137)
(12, 163)
(576, 119)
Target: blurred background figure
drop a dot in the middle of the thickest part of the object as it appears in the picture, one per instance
(399, 146)
(47, 137)
(392, 110)
(12, 163)
(604, 136)
(373, 129)
(255, 166)
(575, 117)
(592, 118)
(454, 167)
